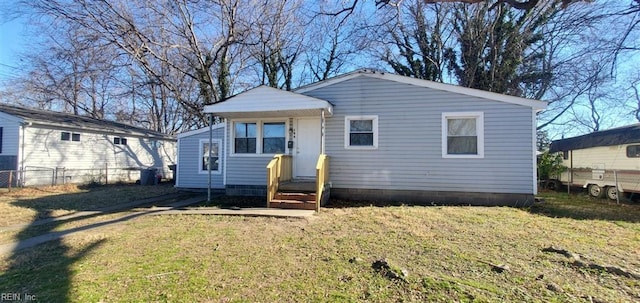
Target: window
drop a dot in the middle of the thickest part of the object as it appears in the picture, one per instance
(119, 141)
(463, 135)
(633, 151)
(565, 155)
(215, 156)
(273, 137)
(361, 132)
(67, 136)
(245, 138)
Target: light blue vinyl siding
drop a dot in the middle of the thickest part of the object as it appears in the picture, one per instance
(409, 153)
(189, 161)
(245, 169)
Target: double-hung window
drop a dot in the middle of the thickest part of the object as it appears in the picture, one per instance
(245, 138)
(463, 135)
(361, 132)
(215, 149)
(273, 137)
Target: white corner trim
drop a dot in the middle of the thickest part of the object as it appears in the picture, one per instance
(479, 116)
(347, 130)
(534, 147)
(199, 158)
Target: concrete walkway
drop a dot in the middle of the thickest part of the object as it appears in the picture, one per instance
(248, 212)
(171, 209)
(98, 211)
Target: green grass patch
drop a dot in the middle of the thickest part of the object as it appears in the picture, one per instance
(447, 252)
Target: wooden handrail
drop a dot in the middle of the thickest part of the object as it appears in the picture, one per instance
(279, 170)
(322, 179)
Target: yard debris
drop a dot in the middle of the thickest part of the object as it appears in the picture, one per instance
(499, 268)
(389, 271)
(164, 274)
(577, 262)
(355, 260)
(554, 287)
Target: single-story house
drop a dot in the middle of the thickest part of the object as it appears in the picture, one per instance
(368, 135)
(48, 147)
(596, 160)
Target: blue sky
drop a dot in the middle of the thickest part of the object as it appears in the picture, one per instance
(12, 35)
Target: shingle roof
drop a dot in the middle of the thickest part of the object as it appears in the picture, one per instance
(620, 135)
(43, 117)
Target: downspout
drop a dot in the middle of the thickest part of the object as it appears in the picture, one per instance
(209, 156)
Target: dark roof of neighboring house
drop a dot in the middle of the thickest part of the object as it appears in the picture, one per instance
(620, 135)
(51, 118)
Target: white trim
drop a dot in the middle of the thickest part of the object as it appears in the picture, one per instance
(225, 152)
(479, 116)
(175, 172)
(534, 145)
(259, 123)
(267, 100)
(347, 132)
(201, 142)
(199, 131)
(535, 104)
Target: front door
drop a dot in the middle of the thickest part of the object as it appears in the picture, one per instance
(307, 148)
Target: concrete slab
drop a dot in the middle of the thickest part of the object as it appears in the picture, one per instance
(248, 212)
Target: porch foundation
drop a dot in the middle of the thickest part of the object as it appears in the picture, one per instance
(419, 197)
(246, 190)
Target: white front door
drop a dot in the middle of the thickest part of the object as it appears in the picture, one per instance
(307, 147)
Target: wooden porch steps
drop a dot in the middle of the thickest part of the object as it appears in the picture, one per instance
(294, 200)
(300, 186)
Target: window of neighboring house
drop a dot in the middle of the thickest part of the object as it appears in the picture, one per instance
(273, 137)
(565, 155)
(633, 151)
(463, 135)
(65, 136)
(119, 141)
(245, 138)
(361, 132)
(75, 137)
(215, 155)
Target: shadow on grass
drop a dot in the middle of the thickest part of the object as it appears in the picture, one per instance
(39, 265)
(580, 206)
(224, 201)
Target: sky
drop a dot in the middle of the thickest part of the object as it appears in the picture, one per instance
(12, 35)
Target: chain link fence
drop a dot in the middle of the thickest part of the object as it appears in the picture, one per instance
(42, 176)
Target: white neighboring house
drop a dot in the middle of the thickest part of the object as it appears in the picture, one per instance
(51, 147)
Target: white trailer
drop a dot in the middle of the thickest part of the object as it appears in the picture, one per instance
(605, 162)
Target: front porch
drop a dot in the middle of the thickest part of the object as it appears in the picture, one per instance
(288, 130)
(283, 191)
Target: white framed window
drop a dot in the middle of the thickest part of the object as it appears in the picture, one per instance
(273, 137)
(119, 141)
(463, 135)
(259, 137)
(216, 149)
(245, 135)
(361, 132)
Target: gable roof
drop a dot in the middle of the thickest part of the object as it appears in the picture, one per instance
(620, 135)
(200, 130)
(264, 101)
(57, 119)
(534, 104)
